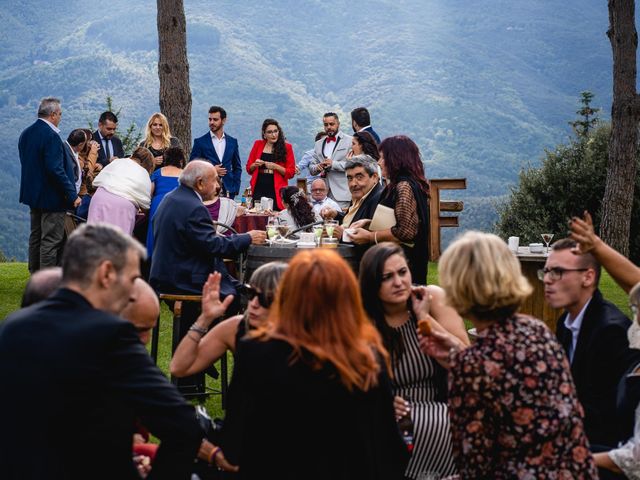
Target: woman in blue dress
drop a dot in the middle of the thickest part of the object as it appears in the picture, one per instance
(163, 181)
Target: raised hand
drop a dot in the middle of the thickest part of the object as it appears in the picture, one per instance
(212, 307)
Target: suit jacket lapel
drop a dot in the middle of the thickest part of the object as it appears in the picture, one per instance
(589, 322)
(227, 150)
(213, 149)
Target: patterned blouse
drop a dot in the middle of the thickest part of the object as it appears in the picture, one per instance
(513, 407)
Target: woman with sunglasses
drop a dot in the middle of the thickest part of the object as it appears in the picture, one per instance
(197, 352)
(271, 164)
(311, 395)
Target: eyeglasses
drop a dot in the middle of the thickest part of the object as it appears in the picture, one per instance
(263, 299)
(318, 190)
(555, 273)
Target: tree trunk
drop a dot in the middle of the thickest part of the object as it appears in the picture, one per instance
(173, 70)
(621, 171)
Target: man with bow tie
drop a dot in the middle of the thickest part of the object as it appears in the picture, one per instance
(319, 198)
(333, 150)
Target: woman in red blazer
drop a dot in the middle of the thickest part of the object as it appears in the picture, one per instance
(271, 163)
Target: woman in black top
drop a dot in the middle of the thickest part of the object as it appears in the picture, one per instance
(157, 138)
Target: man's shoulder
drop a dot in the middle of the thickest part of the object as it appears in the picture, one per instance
(605, 312)
(203, 138)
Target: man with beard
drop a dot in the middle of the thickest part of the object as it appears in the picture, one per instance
(110, 145)
(333, 150)
(221, 150)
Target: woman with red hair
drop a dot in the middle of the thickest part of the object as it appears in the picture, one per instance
(312, 396)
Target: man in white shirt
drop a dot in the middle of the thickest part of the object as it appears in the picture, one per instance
(221, 150)
(593, 332)
(319, 198)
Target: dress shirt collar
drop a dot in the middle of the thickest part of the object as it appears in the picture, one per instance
(214, 137)
(574, 324)
(364, 128)
(53, 127)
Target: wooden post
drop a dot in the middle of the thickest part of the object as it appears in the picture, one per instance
(437, 221)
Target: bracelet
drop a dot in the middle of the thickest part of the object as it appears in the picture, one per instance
(195, 328)
(375, 237)
(212, 455)
(197, 340)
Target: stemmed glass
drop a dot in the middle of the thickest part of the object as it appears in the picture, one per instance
(272, 227)
(546, 238)
(330, 225)
(283, 229)
(317, 231)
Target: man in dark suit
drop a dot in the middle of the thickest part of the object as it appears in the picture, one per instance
(221, 150)
(364, 184)
(593, 332)
(110, 145)
(47, 184)
(187, 248)
(96, 375)
(361, 122)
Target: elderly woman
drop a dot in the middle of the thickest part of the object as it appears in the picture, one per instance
(157, 138)
(419, 383)
(402, 216)
(123, 187)
(312, 396)
(512, 403)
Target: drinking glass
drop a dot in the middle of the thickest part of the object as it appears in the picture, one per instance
(283, 229)
(330, 225)
(272, 227)
(546, 238)
(317, 231)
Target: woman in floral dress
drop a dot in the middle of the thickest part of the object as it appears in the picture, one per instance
(513, 408)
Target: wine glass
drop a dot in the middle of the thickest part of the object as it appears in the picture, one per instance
(330, 225)
(272, 227)
(317, 231)
(546, 238)
(283, 229)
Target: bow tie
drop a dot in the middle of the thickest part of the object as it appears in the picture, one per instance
(318, 202)
(331, 139)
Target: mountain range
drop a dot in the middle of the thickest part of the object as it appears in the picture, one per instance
(483, 86)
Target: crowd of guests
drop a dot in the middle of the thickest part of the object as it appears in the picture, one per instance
(335, 375)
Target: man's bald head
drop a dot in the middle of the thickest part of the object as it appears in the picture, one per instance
(41, 284)
(143, 309)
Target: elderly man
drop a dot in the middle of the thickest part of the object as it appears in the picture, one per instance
(319, 198)
(187, 249)
(593, 332)
(97, 376)
(331, 154)
(41, 284)
(47, 184)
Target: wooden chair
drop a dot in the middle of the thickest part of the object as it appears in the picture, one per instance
(177, 316)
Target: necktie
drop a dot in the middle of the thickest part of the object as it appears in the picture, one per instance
(107, 152)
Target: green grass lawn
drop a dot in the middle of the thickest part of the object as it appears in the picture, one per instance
(13, 277)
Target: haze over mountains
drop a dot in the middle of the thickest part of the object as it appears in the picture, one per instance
(482, 86)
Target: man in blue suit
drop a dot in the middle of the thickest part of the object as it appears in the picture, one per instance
(361, 122)
(221, 150)
(47, 184)
(187, 249)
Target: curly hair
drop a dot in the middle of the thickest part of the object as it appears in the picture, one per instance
(297, 205)
(279, 148)
(166, 132)
(402, 157)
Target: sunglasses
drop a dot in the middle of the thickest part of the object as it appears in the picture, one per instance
(263, 299)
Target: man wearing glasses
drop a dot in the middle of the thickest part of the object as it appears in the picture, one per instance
(319, 198)
(593, 332)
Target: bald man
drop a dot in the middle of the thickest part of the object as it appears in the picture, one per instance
(143, 310)
(41, 284)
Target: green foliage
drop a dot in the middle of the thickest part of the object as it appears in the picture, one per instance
(132, 135)
(589, 115)
(570, 180)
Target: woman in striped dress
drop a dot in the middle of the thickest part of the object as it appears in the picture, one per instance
(419, 383)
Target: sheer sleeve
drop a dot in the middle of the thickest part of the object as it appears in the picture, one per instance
(406, 211)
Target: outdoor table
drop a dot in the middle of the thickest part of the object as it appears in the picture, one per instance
(535, 305)
(258, 255)
(250, 221)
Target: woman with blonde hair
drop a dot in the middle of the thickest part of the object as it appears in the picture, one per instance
(157, 138)
(312, 397)
(513, 407)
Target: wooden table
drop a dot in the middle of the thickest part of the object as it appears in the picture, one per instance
(536, 305)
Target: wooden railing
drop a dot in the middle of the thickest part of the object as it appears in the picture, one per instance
(436, 207)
